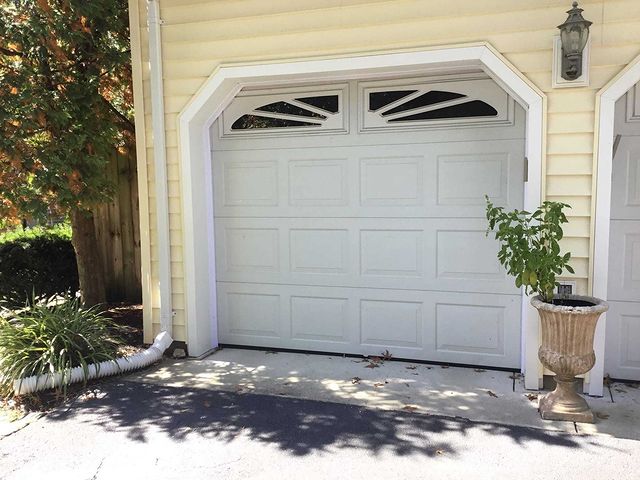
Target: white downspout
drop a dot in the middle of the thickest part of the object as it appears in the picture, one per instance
(95, 370)
(160, 165)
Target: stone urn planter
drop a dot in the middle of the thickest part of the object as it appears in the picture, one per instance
(568, 328)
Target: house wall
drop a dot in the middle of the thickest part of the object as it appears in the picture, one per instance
(199, 35)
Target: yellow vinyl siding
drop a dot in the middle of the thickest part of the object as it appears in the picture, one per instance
(199, 35)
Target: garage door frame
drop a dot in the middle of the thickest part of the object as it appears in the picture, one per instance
(227, 80)
(606, 100)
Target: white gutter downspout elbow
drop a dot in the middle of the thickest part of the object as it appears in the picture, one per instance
(160, 165)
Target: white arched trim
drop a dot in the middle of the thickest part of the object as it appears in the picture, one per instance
(606, 100)
(218, 91)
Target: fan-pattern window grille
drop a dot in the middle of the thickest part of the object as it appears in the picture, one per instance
(472, 102)
(303, 111)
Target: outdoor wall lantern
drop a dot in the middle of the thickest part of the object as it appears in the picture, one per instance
(574, 33)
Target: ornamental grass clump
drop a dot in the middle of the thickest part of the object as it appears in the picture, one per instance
(530, 245)
(52, 335)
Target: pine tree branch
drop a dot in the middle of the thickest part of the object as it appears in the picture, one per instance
(10, 53)
(128, 124)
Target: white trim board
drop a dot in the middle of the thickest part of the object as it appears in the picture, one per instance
(218, 91)
(606, 100)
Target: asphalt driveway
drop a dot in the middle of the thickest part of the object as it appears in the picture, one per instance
(127, 429)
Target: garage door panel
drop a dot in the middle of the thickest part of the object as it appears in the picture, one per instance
(391, 181)
(318, 182)
(447, 327)
(625, 179)
(464, 179)
(419, 254)
(622, 356)
(248, 183)
(624, 260)
(421, 181)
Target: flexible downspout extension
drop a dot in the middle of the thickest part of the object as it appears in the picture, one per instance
(95, 370)
(160, 166)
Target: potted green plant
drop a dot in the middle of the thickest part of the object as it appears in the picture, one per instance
(530, 252)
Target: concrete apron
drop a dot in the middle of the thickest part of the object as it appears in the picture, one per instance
(476, 394)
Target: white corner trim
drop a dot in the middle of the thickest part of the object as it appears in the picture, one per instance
(160, 166)
(141, 164)
(227, 80)
(606, 100)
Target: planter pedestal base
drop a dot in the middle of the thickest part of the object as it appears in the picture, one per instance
(565, 404)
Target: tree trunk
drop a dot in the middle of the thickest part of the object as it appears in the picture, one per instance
(90, 266)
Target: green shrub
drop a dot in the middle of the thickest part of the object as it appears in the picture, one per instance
(53, 335)
(530, 245)
(38, 261)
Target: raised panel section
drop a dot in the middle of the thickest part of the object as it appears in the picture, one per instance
(316, 318)
(251, 249)
(632, 262)
(390, 323)
(253, 314)
(250, 183)
(391, 181)
(318, 251)
(624, 261)
(466, 179)
(622, 352)
(625, 179)
(470, 329)
(630, 341)
(633, 178)
(467, 254)
(317, 182)
(391, 252)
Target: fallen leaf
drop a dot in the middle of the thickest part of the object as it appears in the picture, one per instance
(407, 385)
(410, 408)
(491, 394)
(411, 367)
(415, 374)
(602, 416)
(440, 452)
(386, 355)
(444, 366)
(479, 370)
(532, 397)
(355, 380)
(372, 365)
(379, 384)
(375, 359)
(429, 368)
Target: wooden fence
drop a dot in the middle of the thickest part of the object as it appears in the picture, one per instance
(118, 231)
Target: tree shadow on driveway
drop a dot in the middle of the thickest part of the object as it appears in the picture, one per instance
(300, 427)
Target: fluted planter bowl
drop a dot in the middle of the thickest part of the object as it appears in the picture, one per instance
(568, 328)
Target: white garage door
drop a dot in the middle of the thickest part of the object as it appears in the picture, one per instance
(622, 358)
(350, 218)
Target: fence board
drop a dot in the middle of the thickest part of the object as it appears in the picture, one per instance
(118, 231)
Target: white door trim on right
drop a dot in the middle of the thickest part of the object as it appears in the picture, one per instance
(604, 132)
